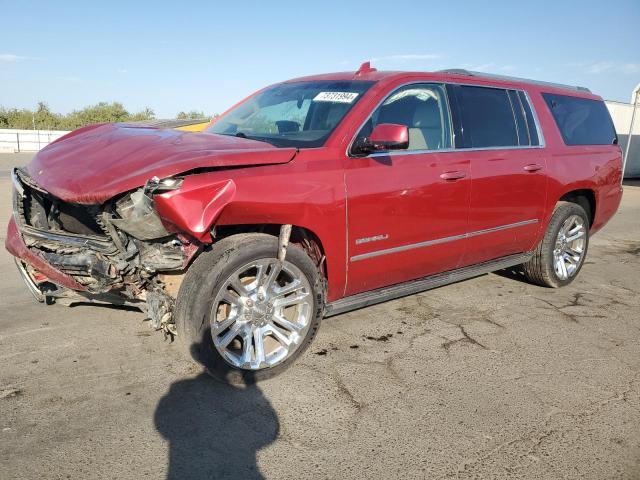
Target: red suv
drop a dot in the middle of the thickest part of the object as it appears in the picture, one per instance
(317, 196)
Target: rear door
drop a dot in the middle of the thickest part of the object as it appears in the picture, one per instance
(508, 170)
(407, 210)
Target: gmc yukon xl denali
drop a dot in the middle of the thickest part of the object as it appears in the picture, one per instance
(314, 197)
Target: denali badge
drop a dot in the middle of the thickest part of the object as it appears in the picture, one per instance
(375, 238)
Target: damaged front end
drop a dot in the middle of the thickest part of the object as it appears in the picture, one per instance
(121, 251)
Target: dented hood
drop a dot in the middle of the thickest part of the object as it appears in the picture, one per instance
(95, 163)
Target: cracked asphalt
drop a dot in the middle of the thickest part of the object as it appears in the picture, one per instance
(488, 378)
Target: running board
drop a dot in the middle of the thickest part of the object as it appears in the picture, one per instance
(384, 294)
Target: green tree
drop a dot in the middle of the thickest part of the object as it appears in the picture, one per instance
(104, 113)
(146, 114)
(42, 118)
(193, 114)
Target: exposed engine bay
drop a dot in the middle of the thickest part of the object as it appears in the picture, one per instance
(120, 249)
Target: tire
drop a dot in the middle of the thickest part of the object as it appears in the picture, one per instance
(541, 268)
(207, 282)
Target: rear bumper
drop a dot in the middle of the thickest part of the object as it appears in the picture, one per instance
(16, 246)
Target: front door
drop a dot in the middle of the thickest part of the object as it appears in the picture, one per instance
(407, 211)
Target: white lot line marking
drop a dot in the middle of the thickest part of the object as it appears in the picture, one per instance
(46, 381)
(39, 350)
(34, 330)
(4, 357)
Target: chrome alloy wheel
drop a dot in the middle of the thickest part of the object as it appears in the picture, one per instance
(261, 314)
(570, 247)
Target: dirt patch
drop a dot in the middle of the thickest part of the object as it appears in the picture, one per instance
(10, 393)
(381, 338)
(634, 249)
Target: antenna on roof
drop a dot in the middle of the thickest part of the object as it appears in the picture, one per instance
(365, 68)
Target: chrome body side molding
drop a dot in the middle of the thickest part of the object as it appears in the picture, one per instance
(428, 243)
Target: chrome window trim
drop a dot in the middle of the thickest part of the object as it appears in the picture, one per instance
(524, 115)
(437, 241)
(541, 141)
(449, 150)
(535, 119)
(515, 117)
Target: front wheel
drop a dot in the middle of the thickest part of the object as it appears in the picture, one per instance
(244, 314)
(561, 253)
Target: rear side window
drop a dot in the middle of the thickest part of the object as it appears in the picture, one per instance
(487, 117)
(581, 121)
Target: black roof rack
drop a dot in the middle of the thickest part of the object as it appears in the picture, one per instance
(462, 71)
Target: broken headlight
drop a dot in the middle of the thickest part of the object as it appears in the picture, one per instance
(157, 185)
(137, 212)
(138, 217)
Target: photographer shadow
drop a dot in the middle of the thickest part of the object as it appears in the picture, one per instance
(215, 430)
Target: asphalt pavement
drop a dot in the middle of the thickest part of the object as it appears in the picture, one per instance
(488, 378)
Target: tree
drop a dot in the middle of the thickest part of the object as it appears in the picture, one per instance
(193, 114)
(44, 119)
(146, 114)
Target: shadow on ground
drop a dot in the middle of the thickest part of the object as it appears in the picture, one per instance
(215, 430)
(513, 273)
(108, 306)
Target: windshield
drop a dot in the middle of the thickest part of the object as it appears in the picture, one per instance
(299, 114)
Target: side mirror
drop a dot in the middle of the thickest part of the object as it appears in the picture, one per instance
(386, 136)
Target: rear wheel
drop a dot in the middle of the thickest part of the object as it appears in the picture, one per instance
(244, 314)
(561, 253)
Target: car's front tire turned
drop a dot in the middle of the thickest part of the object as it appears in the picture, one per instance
(245, 315)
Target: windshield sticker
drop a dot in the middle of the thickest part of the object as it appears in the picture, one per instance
(337, 97)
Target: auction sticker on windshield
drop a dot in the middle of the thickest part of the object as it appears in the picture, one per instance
(339, 97)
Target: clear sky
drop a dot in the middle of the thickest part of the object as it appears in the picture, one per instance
(185, 55)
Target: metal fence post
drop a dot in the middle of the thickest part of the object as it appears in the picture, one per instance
(630, 137)
(18, 141)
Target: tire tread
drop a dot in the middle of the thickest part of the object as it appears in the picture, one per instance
(539, 269)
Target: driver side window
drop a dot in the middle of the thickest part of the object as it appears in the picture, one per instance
(424, 111)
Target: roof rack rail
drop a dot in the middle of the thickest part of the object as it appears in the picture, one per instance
(470, 73)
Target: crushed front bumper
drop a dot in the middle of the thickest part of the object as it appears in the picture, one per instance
(16, 246)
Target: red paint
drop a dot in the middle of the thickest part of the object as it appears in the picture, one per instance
(98, 163)
(204, 198)
(390, 136)
(502, 193)
(16, 247)
(399, 199)
(365, 68)
(404, 197)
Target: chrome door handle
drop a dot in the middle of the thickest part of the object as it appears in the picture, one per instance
(533, 167)
(452, 175)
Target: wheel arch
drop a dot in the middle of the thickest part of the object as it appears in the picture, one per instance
(586, 198)
(301, 236)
